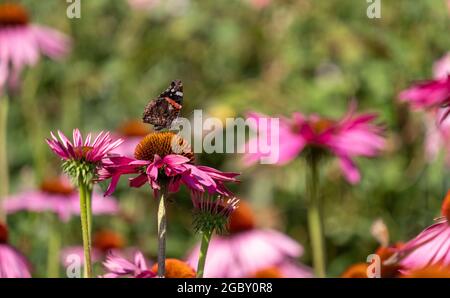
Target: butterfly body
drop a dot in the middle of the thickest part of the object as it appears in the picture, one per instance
(163, 110)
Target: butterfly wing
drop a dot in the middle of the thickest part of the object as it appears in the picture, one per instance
(174, 92)
(162, 111)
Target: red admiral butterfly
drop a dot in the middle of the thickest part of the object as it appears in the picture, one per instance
(162, 111)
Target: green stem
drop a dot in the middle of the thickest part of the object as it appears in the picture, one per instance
(89, 210)
(4, 170)
(53, 251)
(34, 119)
(315, 217)
(85, 229)
(206, 238)
(162, 228)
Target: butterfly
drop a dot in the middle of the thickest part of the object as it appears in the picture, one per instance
(163, 110)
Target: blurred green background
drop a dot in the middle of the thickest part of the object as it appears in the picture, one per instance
(304, 55)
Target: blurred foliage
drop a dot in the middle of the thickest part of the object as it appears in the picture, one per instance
(303, 55)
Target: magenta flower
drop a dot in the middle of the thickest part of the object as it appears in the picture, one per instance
(436, 123)
(22, 43)
(88, 151)
(60, 197)
(12, 263)
(118, 266)
(260, 4)
(104, 243)
(156, 161)
(434, 93)
(431, 247)
(82, 160)
(248, 250)
(428, 94)
(437, 136)
(441, 68)
(143, 4)
(350, 137)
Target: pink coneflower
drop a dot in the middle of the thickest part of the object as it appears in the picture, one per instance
(117, 266)
(164, 161)
(259, 4)
(59, 196)
(428, 94)
(131, 132)
(431, 247)
(82, 160)
(143, 4)
(350, 137)
(437, 135)
(12, 263)
(91, 152)
(433, 94)
(437, 123)
(156, 162)
(22, 43)
(104, 242)
(248, 251)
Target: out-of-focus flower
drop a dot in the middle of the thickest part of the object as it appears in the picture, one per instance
(104, 242)
(176, 269)
(132, 133)
(431, 247)
(432, 95)
(143, 4)
(59, 196)
(441, 68)
(22, 43)
(359, 270)
(352, 136)
(428, 94)
(437, 135)
(260, 4)
(250, 252)
(433, 271)
(163, 156)
(118, 266)
(12, 263)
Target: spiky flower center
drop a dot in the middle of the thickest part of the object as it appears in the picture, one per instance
(57, 186)
(358, 270)
(242, 219)
(162, 144)
(269, 272)
(3, 233)
(106, 240)
(176, 269)
(13, 14)
(81, 152)
(321, 125)
(134, 128)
